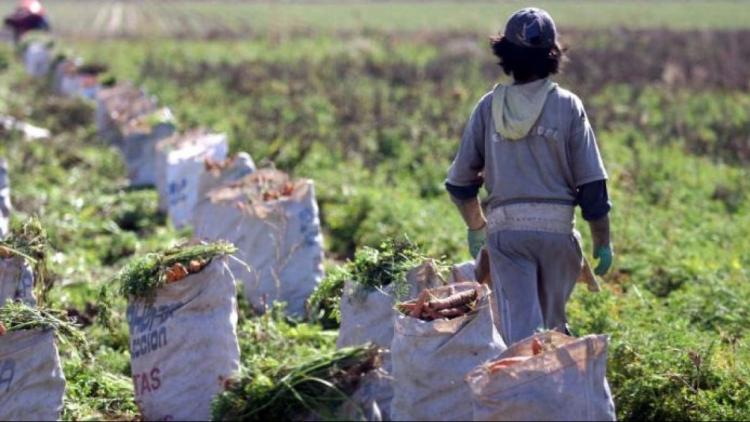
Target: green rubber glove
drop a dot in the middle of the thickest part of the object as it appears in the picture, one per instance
(476, 239)
(604, 255)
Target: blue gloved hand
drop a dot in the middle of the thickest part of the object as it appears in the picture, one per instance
(604, 254)
(476, 239)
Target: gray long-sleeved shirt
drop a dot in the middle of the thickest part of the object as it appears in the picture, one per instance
(558, 156)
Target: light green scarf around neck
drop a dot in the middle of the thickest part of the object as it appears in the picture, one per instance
(515, 108)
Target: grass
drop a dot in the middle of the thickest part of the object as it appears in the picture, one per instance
(198, 19)
(316, 387)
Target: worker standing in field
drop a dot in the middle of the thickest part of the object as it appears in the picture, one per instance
(531, 145)
(28, 16)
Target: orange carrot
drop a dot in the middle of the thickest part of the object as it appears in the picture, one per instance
(176, 273)
(453, 301)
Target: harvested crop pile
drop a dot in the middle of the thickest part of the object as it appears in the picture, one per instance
(143, 276)
(29, 241)
(441, 303)
(371, 268)
(266, 185)
(313, 389)
(16, 316)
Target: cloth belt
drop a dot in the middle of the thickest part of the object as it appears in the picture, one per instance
(540, 217)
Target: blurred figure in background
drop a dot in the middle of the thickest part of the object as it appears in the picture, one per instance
(28, 16)
(531, 145)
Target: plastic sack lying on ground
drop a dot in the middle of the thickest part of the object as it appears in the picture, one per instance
(16, 280)
(31, 379)
(274, 223)
(184, 344)
(549, 376)
(37, 59)
(431, 358)
(179, 165)
(367, 316)
(5, 205)
(140, 137)
(116, 106)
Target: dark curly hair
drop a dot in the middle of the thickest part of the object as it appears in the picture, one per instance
(525, 63)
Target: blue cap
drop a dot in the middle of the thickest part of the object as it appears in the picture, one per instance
(531, 27)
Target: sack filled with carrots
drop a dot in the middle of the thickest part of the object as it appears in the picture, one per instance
(182, 320)
(438, 338)
(273, 219)
(549, 376)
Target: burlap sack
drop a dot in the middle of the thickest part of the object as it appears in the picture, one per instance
(367, 316)
(5, 204)
(279, 239)
(431, 359)
(140, 137)
(32, 383)
(565, 384)
(222, 173)
(180, 161)
(372, 399)
(116, 106)
(16, 281)
(184, 345)
(37, 59)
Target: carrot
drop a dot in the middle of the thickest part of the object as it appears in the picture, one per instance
(421, 299)
(536, 347)
(453, 301)
(176, 273)
(196, 266)
(5, 252)
(451, 313)
(3, 330)
(507, 362)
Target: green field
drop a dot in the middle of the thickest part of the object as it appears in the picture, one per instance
(137, 18)
(369, 100)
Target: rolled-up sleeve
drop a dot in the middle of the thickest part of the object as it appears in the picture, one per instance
(465, 173)
(586, 162)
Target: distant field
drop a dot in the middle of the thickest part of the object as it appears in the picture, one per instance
(227, 18)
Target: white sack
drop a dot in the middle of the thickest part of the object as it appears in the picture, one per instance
(37, 59)
(219, 174)
(116, 106)
(564, 384)
(65, 79)
(5, 205)
(16, 281)
(431, 359)
(184, 345)
(280, 240)
(140, 138)
(32, 383)
(372, 399)
(367, 315)
(184, 167)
